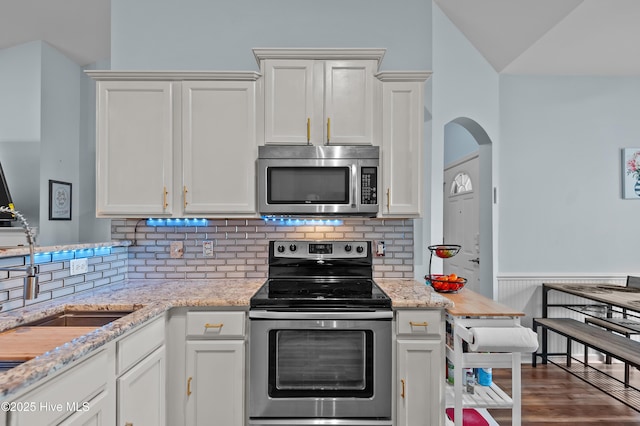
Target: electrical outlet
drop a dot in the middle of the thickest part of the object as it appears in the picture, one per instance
(380, 248)
(207, 248)
(79, 266)
(177, 249)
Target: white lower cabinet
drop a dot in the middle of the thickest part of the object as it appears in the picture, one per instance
(141, 392)
(215, 368)
(141, 376)
(69, 397)
(215, 383)
(97, 412)
(122, 383)
(419, 368)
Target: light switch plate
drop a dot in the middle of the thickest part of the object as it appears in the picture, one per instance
(79, 266)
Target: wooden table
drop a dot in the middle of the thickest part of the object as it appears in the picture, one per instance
(606, 296)
(475, 310)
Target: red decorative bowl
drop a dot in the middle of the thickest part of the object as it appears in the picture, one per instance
(442, 284)
(445, 251)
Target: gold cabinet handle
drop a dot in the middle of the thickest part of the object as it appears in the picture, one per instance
(402, 394)
(418, 324)
(184, 196)
(308, 130)
(164, 199)
(207, 325)
(328, 130)
(128, 424)
(189, 385)
(388, 199)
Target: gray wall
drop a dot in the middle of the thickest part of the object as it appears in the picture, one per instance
(561, 208)
(200, 34)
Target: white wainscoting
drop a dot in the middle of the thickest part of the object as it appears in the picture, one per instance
(524, 293)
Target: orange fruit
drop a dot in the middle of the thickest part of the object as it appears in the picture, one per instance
(453, 277)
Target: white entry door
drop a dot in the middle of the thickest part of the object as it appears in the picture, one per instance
(462, 219)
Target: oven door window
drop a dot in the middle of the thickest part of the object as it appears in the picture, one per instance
(321, 363)
(308, 185)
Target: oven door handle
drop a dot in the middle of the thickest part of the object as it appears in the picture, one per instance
(321, 315)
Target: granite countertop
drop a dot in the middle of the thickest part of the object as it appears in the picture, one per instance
(150, 298)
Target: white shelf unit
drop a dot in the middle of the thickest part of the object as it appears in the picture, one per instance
(483, 396)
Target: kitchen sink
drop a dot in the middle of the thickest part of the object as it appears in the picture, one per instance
(69, 318)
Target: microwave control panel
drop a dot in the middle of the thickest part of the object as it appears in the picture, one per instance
(369, 185)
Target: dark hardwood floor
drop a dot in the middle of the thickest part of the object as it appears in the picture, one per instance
(552, 396)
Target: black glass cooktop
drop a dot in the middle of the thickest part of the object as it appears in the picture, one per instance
(334, 293)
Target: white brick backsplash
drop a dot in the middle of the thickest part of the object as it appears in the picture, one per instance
(55, 280)
(240, 247)
(240, 250)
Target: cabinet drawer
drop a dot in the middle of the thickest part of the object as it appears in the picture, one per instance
(214, 325)
(140, 343)
(419, 322)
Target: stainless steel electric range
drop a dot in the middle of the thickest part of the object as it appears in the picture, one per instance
(320, 338)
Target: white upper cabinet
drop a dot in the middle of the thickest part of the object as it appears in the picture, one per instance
(134, 147)
(218, 147)
(175, 144)
(319, 96)
(402, 141)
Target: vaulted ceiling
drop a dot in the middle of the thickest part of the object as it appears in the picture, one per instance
(554, 37)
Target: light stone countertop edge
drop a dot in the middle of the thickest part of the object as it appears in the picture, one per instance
(149, 299)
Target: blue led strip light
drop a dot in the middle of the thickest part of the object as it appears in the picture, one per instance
(177, 222)
(288, 221)
(61, 255)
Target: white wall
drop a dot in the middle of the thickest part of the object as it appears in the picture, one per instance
(20, 93)
(561, 209)
(208, 35)
(40, 125)
(464, 85)
(458, 143)
(20, 125)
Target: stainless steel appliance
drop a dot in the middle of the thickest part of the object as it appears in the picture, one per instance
(320, 338)
(318, 180)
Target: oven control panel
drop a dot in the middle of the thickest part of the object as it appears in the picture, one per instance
(321, 249)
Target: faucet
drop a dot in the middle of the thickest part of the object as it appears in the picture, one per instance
(31, 286)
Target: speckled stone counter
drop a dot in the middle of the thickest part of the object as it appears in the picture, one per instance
(150, 298)
(407, 293)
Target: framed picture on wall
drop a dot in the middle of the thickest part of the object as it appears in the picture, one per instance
(59, 200)
(631, 173)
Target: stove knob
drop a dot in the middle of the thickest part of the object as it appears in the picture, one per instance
(293, 247)
(347, 248)
(360, 249)
(280, 249)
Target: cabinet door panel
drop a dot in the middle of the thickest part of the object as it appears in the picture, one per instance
(402, 148)
(96, 412)
(289, 101)
(141, 392)
(419, 400)
(215, 375)
(134, 148)
(349, 102)
(219, 147)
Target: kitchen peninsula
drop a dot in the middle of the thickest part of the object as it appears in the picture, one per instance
(169, 316)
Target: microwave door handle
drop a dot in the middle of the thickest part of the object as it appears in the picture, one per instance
(354, 185)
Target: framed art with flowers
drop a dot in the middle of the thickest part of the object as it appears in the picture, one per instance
(631, 173)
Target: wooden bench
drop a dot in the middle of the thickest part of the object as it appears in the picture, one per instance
(613, 345)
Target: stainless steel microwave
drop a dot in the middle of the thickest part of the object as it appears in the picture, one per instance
(308, 180)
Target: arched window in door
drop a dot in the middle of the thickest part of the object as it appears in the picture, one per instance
(461, 184)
